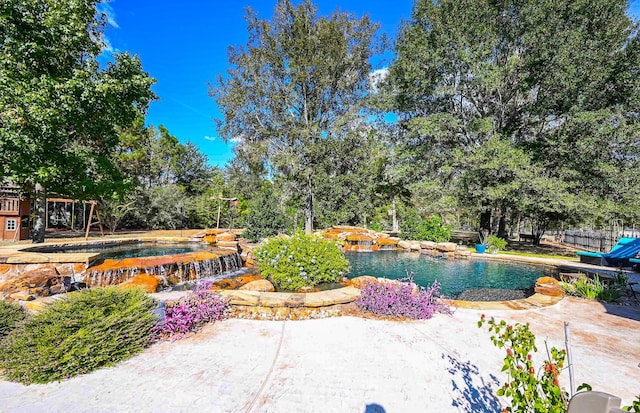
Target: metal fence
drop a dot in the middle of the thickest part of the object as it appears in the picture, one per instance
(596, 240)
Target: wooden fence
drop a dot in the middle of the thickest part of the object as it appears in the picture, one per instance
(595, 240)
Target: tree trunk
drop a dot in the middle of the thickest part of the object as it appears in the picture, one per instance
(308, 206)
(39, 227)
(502, 227)
(395, 227)
(485, 220)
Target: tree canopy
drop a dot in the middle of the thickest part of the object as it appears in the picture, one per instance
(519, 100)
(60, 111)
(292, 95)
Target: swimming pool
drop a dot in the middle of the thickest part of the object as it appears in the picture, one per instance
(455, 276)
(123, 250)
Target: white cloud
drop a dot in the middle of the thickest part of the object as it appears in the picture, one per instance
(238, 139)
(377, 77)
(110, 14)
(210, 138)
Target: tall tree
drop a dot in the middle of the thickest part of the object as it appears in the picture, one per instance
(59, 111)
(295, 88)
(537, 75)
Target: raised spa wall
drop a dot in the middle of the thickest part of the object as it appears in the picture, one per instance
(25, 274)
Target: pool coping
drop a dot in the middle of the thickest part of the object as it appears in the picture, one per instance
(15, 254)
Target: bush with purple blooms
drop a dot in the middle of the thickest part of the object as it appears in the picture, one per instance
(192, 312)
(402, 299)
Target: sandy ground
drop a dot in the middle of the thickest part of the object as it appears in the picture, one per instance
(346, 364)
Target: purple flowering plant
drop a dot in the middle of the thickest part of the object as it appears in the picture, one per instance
(190, 313)
(402, 299)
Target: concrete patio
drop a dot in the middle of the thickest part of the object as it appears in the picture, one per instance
(345, 364)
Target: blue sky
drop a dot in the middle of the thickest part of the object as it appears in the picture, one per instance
(184, 46)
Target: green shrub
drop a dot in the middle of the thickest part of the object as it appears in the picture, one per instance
(413, 227)
(292, 263)
(85, 331)
(494, 241)
(10, 316)
(592, 289)
(264, 218)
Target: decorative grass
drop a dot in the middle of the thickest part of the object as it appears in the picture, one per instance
(11, 315)
(85, 331)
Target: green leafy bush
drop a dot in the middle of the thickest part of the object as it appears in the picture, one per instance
(592, 289)
(264, 218)
(292, 263)
(86, 330)
(497, 242)
(433, 228)
(10, 316)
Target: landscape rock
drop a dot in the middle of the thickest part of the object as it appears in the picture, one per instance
(404, 244)
(21, 296)
(359, 282)
(415, 246)
(145, 281)
(226, 236)
(446, 246)
(428, 245)
(258, 285)
(548, 286)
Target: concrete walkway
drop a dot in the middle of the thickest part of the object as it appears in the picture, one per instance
(346, 364)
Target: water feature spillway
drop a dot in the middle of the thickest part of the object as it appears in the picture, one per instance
(170, 269)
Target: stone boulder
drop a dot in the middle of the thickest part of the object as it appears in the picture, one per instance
(359, 282)
(42, 281)
(548, 286)
(446, 246)
(143, 280)
(226, 236)
(414, 246)
(404, 244)
(209, 239)
(428, 245)
(259, 285)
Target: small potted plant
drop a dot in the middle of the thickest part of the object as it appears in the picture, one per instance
(495, 244)
(483, 237)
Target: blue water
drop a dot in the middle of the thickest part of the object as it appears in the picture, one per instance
(127, 250)
(455, 276)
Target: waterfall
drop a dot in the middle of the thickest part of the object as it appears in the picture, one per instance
(169, 273)
(364, 245)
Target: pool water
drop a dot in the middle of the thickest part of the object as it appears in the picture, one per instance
(454, 276)
(130, 250)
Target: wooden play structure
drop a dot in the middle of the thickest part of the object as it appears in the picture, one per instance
(62, 213)
(14, 214)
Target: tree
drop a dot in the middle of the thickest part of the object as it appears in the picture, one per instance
(59, 111)
(294, 90)
(265, 218)
(555, 80)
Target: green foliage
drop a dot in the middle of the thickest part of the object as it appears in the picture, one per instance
(85, 331)
(60, 108)
(523, 128)
(413, 227)
(292, 263)
(293, 93)
(634, 407)
(10, 316)
(264, 218)
(529, 390)
(497, 242)
(593, 289)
